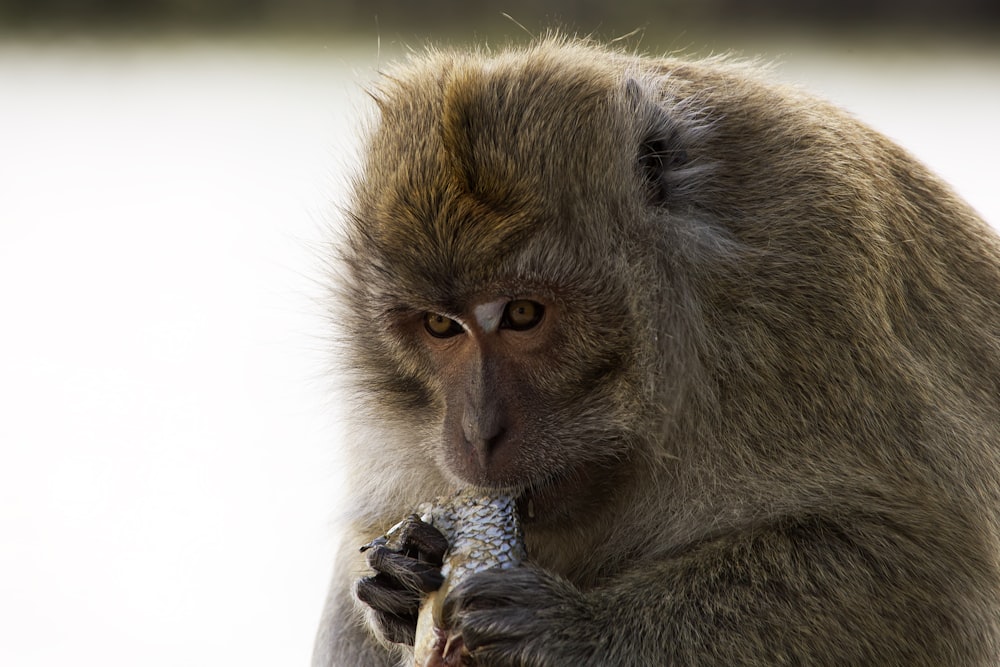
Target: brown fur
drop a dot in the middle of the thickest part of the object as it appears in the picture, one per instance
(773, 381)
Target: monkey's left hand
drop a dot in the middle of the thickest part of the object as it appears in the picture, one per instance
(522, 616)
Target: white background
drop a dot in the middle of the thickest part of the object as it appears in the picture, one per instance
(168, 469)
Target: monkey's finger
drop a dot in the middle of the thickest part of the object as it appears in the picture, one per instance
(377, 542)
(498, 654)
(411, 573)
(503, 637)
(481, 628)
(386, 595)
(492, 589)
(460, 605)
(427, 540)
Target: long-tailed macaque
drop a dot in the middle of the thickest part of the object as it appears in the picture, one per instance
(736, 354)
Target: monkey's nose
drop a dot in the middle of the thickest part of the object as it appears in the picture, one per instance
(483, 433)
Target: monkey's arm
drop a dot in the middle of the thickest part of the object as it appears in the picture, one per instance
(343, 638)
(807, 592)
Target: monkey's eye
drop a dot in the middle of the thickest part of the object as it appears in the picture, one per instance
(440, 326)
(522, 315)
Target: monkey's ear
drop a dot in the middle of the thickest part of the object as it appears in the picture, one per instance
(661, 152)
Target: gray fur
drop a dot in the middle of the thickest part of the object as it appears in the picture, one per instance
(777, 390)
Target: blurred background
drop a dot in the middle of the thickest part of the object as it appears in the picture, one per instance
(169, 174)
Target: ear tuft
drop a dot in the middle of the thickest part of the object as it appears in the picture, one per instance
(661, 151)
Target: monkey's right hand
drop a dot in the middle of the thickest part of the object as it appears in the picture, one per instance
(407, 563)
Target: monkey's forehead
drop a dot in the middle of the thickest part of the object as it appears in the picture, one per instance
(532, 123)
(474, 155)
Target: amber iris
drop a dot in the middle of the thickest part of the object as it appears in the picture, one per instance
(440, 326)
(522, 314)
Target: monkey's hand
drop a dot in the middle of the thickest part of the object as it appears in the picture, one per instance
(523, 616)
(407, 564)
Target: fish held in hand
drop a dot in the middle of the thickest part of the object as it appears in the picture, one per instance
(483, 532)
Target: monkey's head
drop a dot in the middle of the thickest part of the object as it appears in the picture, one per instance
(564, 266)
(492, 257)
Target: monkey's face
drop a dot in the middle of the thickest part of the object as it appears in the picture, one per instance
(487, 353)
(516, 389)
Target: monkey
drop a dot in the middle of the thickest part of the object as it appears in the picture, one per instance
(736, 354)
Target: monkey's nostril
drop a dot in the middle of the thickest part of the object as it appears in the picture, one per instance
(493, 441)
(484, 446)
(486, 426)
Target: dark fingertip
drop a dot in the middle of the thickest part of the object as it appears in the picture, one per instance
(377, 542)
(376, 556)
